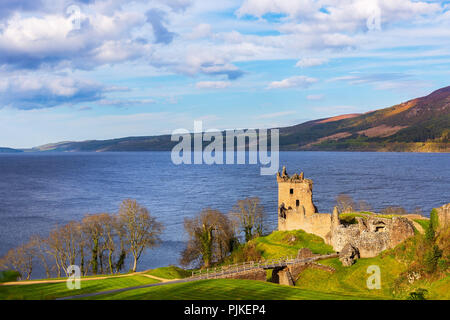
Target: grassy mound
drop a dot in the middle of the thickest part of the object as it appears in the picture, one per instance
(226, 289)
(170, 272)
(280, 244)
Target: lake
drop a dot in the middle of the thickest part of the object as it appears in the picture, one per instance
(41, 190)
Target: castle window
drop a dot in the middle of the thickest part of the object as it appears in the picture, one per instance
(297, 202)
(291, 191)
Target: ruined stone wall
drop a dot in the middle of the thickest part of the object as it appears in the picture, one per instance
(372, 235)
(443, 216)
(318, 223)
(282, 276)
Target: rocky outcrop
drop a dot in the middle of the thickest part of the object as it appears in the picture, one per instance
(371, 235)
(348, 255)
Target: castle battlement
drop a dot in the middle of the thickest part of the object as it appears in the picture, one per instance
(296, 178)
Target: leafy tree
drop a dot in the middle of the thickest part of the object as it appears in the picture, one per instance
(93, 229)
(211, 236)
(249, 215)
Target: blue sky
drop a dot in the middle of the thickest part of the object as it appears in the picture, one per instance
(100, 69)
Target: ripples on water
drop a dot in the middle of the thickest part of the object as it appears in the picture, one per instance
(38, 191)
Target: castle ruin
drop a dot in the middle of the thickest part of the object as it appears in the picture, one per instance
(296, 209)
(366, 238)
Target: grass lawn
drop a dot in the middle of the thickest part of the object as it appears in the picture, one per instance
(56, 290)
(227, 289)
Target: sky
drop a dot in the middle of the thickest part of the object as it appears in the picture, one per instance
(101, 69)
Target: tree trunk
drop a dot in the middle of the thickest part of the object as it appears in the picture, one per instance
(110, 263)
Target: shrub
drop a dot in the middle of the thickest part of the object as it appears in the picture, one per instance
(419, 294)
(9, 276)
(431, 258)
(245, 253)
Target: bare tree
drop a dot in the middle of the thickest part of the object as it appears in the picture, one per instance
(210, 238)
(20, 259)
(250, 217)
(364, 206)
(345, 203)
(70, 239)
(40, 249)
(54, 248)
(142, 231)
(393, 210)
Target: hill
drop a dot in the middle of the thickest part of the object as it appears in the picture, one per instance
(421, 124)
(9, 150)
(418, 125)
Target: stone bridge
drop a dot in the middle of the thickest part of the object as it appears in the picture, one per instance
(285, 270)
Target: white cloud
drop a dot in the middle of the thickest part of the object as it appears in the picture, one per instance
(200, 31)
(34, 92)
(310, 62)
(275, 114)
(213, 84)
(259, 8)
(315, 97)
(125, 102)
(293, 82)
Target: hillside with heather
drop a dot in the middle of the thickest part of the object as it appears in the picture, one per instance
(417, 125)
(421, 124)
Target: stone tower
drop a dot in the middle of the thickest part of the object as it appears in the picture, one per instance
(295, 200)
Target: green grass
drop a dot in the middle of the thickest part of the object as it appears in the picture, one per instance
(170, 272)
(352, 280)
(350, 217)
(278, 244)
(226, 289)
(46, 291)
(424, 223)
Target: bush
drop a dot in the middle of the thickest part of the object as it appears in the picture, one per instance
(419, 294)
(245, 253)
(431, 259)
(9, 276)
